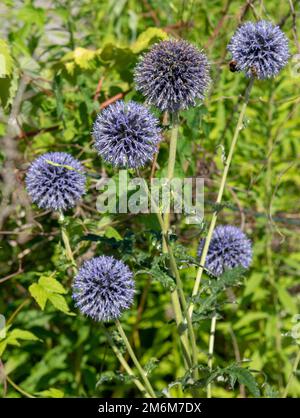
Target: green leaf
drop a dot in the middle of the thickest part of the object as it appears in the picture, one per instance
(50, 289)
(287, 301)
(6, 61)
(13, 336)
(248, 318)
(59, 302)
(244, 377)
(51, 285)
(39, 294)
(22, 335)
(147, 38)
(51, 393)
(113, 233)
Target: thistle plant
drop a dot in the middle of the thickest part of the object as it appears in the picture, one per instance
(172, 76)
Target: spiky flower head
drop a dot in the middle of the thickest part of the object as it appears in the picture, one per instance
(259, 49)
(103, 288)
(126, 134)
(55, 181)
(172, 75)
(229, 248)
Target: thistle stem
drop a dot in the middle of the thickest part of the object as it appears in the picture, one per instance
(177, 295)
(294, 370)
(220, 195)
(124, 363)
(211, 348)
(135, 360)
(66, 240)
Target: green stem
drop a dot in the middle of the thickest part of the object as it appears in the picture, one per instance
(220, 195)
(211, 348)
(294, 370)
(135, 360)
(165, 225)
(125, 365)
(66, 241)
(18, 389)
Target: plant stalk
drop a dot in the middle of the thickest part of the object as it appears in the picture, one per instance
(213, 221)
(125, 365)
(211, 348)
(135, 360)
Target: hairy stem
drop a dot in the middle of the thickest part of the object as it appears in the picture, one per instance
(135, 360)
(66, 241)
(124, 364)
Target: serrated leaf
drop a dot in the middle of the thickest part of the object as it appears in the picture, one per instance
(59, 302)
(51, 285)
(245, 377)
(13, 336)
(39, 294)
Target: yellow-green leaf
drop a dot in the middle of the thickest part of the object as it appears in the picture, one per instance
(147, 38)
(51, 393)
(6, 61)
(51, 285)
(59, 302)
(39, 294)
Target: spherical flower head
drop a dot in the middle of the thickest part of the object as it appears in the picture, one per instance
(55, 181)
(126, 134)
(259, 49)
(229, 248)
(103, 288)
(172, 75)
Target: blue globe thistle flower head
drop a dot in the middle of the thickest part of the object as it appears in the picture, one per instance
(229, 248)
(55, 181)
(103, 288)
(259, 49)
(173, 75)
(126, 134)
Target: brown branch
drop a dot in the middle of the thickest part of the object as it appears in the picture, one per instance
(113, 99)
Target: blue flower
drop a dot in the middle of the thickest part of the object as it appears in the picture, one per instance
(229, 248)
(172, 75)
(126, 134)
(259, 49)
(55, 181)
(103, 288)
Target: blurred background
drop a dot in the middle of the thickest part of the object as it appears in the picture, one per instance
(64, 61)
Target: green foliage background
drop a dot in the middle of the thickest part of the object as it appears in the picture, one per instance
(74, 57)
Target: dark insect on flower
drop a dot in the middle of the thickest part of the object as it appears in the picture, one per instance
(126, 134)
(229, 248)
(103, 288)
(172, 75)
(259, 49)
(55, 181)
(233, 66)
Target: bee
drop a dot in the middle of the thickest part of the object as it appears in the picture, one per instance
(233, 66)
